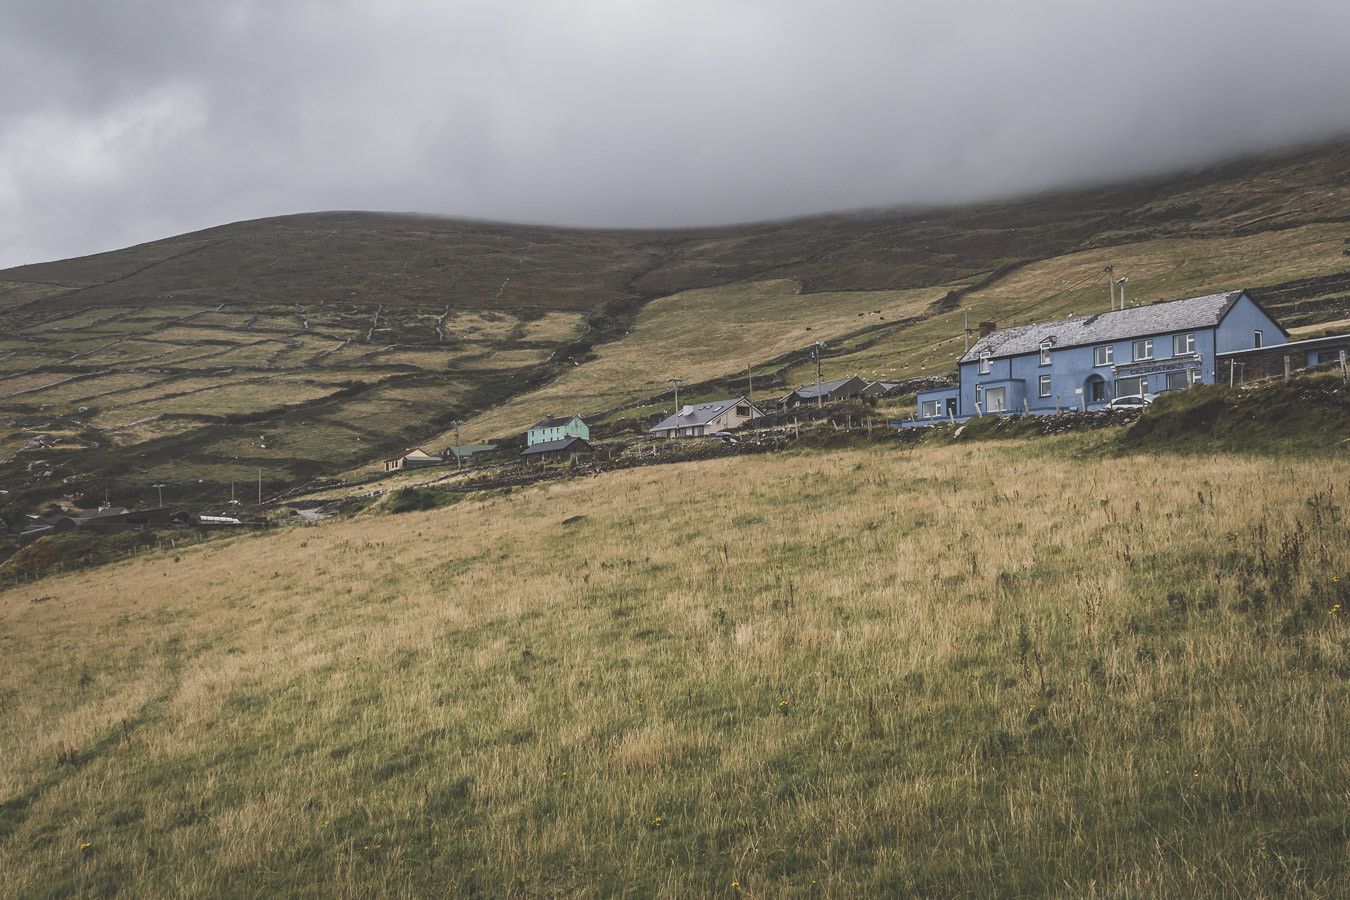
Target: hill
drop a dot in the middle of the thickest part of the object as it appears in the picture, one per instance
(304, 344)
(978, 669)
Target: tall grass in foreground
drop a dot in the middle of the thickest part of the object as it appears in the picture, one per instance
(983, 670)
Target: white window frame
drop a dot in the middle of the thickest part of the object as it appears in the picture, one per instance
(1183, 344)
(1103, 355)
(1147, 344)
(1258, 339)
(984, 362)
(1045, 386)
(1045, 352)
(1195, 376)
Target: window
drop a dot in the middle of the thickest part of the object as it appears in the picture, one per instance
(1178, 381)
(743, 412)
(1143, 349)
(984, 362)
(1131, 387)
(1103, 356)
(1045, 385)
(1256, 339)
(1195, 376)
(931, 409)
(1183, 344)
(998, 399)
(1045, 353)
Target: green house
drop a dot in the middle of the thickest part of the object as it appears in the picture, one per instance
(555, 428)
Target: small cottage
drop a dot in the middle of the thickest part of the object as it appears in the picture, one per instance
(826, 392)
(416, 458)
(707, 418)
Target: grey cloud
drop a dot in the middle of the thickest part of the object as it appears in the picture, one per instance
(123, 122)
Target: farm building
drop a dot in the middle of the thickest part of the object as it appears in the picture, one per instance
(555, 428)
(464, 453)
(707, 418)
(416, 458)
(828, 392)
(564, 448)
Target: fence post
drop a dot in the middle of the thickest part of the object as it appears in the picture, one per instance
(1232, 371)
(1286, 367)
(1345, 373)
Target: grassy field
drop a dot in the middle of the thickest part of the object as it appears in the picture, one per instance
(299, 325)
(990, 669)
(698, 335)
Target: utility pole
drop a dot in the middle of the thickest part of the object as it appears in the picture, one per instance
(160, 488)
(1121, 282)
(676, 382)
(1111, 284)
(966, 313)
(459, 460)
(260, 485)
(820, 401)
(750, 387)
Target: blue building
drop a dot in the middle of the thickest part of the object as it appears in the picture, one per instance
(557, 428)
(1085, 362)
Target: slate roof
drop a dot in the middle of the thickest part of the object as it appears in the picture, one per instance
(560, 444)
(807, 392)
(702, 414)
(1101, 328)
(552, 422)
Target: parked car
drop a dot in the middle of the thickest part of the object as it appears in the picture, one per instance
(1134, 402)
(725, 437)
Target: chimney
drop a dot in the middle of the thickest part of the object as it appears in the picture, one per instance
(986, 329)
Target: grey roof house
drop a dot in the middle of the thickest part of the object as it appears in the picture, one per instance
(1085, 362)
(563, 448)
(828, 392)
(707, 418)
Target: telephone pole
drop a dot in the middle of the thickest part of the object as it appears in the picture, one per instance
(160, 488)
(1111, 284)
(750, 388)
(820, 401)
(260, 485)
(459, 460)
(676, 382)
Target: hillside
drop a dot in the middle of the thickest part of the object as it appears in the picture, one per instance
(314, 343)
(979, 670)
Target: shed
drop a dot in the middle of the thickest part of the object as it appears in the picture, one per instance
(548, 451)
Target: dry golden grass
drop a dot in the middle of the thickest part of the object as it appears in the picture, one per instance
(697, 335)
(974, 670)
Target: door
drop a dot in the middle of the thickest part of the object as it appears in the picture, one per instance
(951, 407)
(996, 399)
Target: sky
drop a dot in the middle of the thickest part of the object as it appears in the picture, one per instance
(123, 121)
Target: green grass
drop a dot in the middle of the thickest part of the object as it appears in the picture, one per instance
(1307, 415)
(974, 670)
